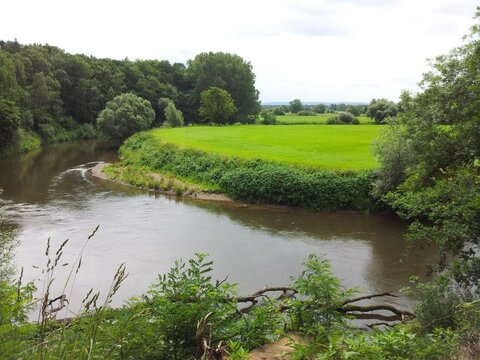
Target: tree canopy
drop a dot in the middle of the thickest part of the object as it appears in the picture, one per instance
(229, 72)
(430, 160)
(380, 109)
(125, 115)
(59, 94)
(217, 106)
(173, 117)
(296, 105)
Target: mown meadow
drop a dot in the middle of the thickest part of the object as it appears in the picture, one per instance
(340, 147)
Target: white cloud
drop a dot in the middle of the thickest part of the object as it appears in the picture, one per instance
(316, 50)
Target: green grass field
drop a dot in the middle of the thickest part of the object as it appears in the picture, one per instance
(316, 119)
(344, 147)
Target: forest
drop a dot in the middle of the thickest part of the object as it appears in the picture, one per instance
(49, 95)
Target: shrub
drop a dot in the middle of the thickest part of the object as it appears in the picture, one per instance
(333, 120)
(342, 118)
(173, 117)
(267, 118)
(125, 115)
(347, 118)
(278, 111)
(306, 113)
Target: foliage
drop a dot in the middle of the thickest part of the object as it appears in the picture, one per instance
(324, 293)
(185, 308)
(306, 113)
(15, 331)
(398, 343)
(267, 118)
(229, 72)
(253, 180)
(356, 110)
(342, 118)
(395, 155)
(9, 122)
(296, 106)
(125, 115)
(438, 172)
(381, 109)
(173, 117)
(216, 106)
(319, 119)
(439, 303)
(48, 85)
(320, 108)
(183, 297)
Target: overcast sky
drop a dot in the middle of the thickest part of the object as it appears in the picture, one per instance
(331, 50)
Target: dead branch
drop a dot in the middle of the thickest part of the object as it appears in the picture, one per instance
(253, 298)
(375, 307)
(367, 297)
(379, 317)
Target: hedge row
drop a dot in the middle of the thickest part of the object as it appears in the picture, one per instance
(256, 181)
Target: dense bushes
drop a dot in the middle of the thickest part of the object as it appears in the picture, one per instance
(342, 118)
(255, 181)
(306, 113)
(267, 117)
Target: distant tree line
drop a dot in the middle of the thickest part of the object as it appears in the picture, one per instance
(378, 109)
(46, 91)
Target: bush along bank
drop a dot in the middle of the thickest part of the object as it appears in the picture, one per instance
(256, 181)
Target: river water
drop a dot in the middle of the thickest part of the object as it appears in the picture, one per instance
(50, 194)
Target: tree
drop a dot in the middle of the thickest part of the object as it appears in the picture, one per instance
(173, 117)
(380, 109)
(296, 106)
(9, 121)
(217, 106)
(320, 108)
(356, 110)
(229, 72)
(439, 174)
(125, 115)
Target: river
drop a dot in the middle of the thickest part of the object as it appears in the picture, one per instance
(50, 194)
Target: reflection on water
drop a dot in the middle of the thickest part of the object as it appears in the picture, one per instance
(51, 194)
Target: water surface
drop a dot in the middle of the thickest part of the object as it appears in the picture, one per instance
(50, 193)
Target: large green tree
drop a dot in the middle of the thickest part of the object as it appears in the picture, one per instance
(380, 109)
(430, 161)
(229, 72)
(217, 106)
(124, 116)
(296, 106)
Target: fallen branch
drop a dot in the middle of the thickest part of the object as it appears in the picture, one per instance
(369, 308)
(262, 293)
(367, 297)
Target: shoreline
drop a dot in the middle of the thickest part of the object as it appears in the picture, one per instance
(97, 172)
